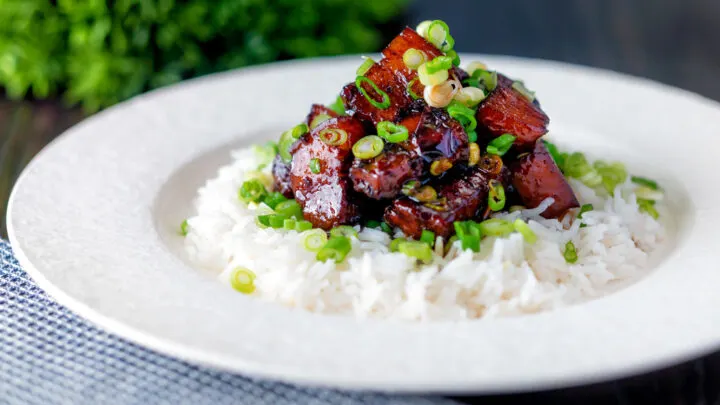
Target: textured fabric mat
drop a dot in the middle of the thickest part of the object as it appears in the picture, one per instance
(48, 355)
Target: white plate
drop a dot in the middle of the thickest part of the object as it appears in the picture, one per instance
(94, 219)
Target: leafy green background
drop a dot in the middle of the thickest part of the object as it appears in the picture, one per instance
(98, 52)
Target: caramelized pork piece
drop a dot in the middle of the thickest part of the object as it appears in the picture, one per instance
(536, 177)
(438, 135)
(317, 110)
(384, 175)
(281, 177)
(393, 89)
(408, 39)
(325, 196)
(507, 111)
(462, 198)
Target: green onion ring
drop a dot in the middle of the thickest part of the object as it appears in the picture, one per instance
(368, 147)
(385, 103)
(391, 132)
(333, 136)
(496, 195)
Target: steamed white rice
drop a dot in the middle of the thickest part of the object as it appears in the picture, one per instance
(507, 276)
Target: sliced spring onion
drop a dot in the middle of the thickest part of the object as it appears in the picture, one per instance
(314, 165)
(438, 64)
(439, 204)
(365, 66)
(469, 234)
(286, 141)
(372, 224)
(519, 86)
(570, 253)
(338, 106)
(395, 244)
(319, 119)
(554, 152)
(410, 187)
(524, 229)
(336, 248)
(410, 90)
(613, 174)
(585, 208)
(276, 221)
(252, 191)
(648, 207)
(470, 96)
(491, 163)
(449, 44)
(472, 136)
(333, 136)
(384, 98)
(496, 227)
(438, 33)
(391, 132)
(289, 224)
(454, 56)
(368, 147)
(417, 249)
(265, 153)
(424, 194)
(413, 58)
(501, 145)
(475, 65)
(496, 195)
(422, 28)
(577, 166)
(464, 114)
(314, 240)
(386, 228)
(289, 208)
(489, 80)
(474, 154)
(299, 130)
(647, 193)
(428, 79)
(273, 199)
(303, 225)
(428, 237)
(645, 182)
(440, 166)
(344, 230)
(184, 228)
(243, 280)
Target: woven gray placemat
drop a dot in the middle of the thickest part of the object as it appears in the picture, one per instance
(49, 355)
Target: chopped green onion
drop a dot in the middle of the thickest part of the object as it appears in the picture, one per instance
(286, 141)
(243, 280)
(385, 99)
(519, 86)
(344, 230)
(647, 193)
(264, 220)
(440, 166)
(184, 228)
(438, 64)
(252, 191)
(418, 250)
(469, 234)
(319, 119)
(368, 147)
(314, 240)
(612, 174)
(265, 153)
(410, 91)
(648, 207)
(454, 56)
(496, 227)
(338, 106)
(449, 44)
(303, 225)
(391, 132)
(273, 199)
(410, 187)
(577, 166)
(470, 96)
(585, 208)
(424, 194)
(299, 130)
(501, 145)
(336, 248)
(472, 136)
(428, 79)
(570, 253)
(428, 237)
(437, 33)
(395, 244)
(386, 228)
(464, 114)
(289, 224)
(524, 229)
(473, 154)
(475, 65)
(496, 195)
(554, 152)
(289, 208)
(642, 181)
(372, 224)
(489, 80)
(365, 66)
(333, 136)
(422, 28)
(276, 221)
(314, 165)
(413, 58)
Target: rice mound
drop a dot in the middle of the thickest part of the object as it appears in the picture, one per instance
(507, 276)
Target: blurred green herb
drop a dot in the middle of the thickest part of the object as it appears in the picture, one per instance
(98, 52)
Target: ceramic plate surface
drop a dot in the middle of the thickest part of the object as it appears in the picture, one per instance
(94, 220)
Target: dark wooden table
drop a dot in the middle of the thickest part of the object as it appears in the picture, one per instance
(676, 42)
